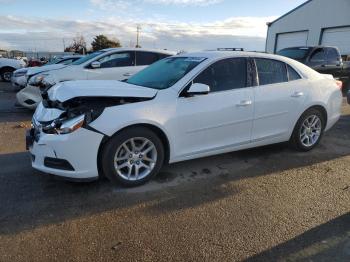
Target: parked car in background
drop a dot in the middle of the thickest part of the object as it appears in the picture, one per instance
(180, 108)
(20, 77)
(7, 66)
(107, 64)
(323, 59)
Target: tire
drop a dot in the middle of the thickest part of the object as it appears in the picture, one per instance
(114, 156)
(6, 74)
(299, 140)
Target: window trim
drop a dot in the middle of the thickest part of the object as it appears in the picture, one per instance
(182, 92)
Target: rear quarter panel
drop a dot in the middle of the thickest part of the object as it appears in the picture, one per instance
(324, 92)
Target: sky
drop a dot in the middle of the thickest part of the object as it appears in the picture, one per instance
(49, 25)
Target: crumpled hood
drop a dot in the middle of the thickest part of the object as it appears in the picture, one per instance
(41, 69)
(97, 88)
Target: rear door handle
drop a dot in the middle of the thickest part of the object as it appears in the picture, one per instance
(298, 94)
(127, 74)
(245, 103)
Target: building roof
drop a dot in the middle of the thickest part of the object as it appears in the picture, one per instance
(291, 11)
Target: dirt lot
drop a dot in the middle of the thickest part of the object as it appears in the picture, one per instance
(265, 204)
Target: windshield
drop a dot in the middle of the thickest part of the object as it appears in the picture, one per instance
(165, 73)
(87, 58)
(294, 53)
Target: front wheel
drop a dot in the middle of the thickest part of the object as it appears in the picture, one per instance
(308, 131)
(6, 74)
(132, 157)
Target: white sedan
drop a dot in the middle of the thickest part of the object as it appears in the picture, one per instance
(106, 64)
(180, 108)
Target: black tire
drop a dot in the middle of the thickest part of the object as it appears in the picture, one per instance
(6, 74)
(111, 147)
(295, 140)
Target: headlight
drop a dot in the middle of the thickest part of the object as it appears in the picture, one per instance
(65, 126)
(71, 125)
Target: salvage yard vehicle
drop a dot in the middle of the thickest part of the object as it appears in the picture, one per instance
(107, 64)
(323, 59)
(7, 66)
(20, 76)
(182, 107)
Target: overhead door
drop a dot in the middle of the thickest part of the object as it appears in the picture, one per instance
(285, 40)
(339, 37)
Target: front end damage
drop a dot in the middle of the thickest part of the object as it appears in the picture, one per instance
(61, 140)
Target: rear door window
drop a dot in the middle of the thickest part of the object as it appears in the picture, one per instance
(224, 75)
(146, 58)
(271, 71)
(332, 55)
(292, 74)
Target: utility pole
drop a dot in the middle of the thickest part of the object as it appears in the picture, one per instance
(64, 45)
(138, 30)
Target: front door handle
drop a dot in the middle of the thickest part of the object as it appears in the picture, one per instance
(298, 94)
(127, 74)
(245, 103)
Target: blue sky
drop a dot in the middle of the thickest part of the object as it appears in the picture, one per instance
(173, 24)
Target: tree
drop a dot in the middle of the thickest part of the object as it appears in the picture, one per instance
(102, 42)
(78, 45)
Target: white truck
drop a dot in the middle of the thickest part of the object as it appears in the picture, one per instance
(7, 66)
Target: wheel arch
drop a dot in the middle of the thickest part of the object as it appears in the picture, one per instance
(2, 69)
(156, 129)
(319, 107)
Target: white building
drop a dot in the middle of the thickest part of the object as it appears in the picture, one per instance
(316, 22)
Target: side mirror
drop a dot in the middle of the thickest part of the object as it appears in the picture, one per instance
(95, 64)
(198, 89)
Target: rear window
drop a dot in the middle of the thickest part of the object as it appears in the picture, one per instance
(294, 53)
(271, 71)
(146, 58)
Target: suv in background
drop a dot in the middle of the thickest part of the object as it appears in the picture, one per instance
(323, 59)
(107, 64)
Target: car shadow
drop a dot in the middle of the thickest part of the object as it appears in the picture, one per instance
(327, 242)
(30, 199)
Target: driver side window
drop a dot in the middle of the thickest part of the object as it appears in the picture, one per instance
(224, 75)
(117, 60)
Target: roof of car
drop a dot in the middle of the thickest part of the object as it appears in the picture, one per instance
(140, 49)
(216, 55)
(223, 54)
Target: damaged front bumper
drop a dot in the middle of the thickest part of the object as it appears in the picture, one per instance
(73, 155)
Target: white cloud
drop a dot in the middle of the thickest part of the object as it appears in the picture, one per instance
(48, 34)
(124, 4)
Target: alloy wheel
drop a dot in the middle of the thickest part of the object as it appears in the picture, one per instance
(310, 131)
(7, 76)
(135, 159)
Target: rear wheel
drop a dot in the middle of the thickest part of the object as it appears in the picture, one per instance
(132, 157)
(308, 130)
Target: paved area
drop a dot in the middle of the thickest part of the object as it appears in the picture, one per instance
(265, 204)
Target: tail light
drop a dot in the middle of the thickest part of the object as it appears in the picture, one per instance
(339, 84)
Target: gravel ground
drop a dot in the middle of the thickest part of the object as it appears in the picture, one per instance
(265, 204)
